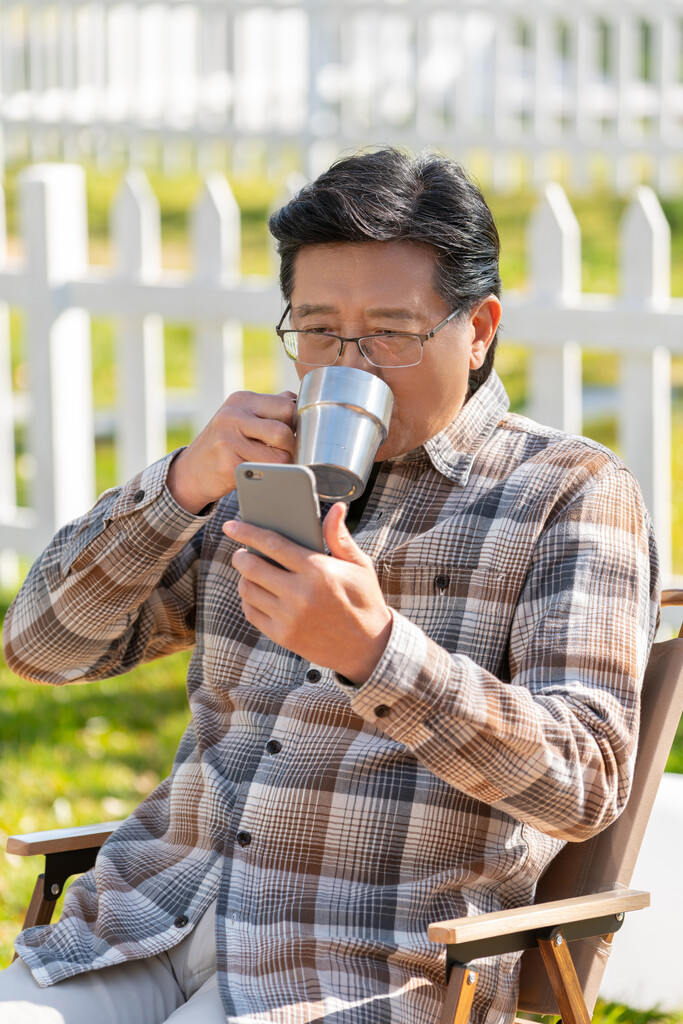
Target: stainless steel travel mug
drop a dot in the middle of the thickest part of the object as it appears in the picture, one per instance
(342, 418)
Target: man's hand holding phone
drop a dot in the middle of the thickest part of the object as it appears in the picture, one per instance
(330, 610)
(248, 427)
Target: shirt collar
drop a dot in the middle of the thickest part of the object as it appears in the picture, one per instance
(453, 451)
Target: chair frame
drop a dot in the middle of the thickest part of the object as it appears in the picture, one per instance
(548, 926)
(67, 852)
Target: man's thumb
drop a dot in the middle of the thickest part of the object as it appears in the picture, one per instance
(337, 537)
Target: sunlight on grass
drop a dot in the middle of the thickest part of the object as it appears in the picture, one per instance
(80, 754)
(615, 1013)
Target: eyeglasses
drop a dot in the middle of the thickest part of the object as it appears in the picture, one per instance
(317, 348)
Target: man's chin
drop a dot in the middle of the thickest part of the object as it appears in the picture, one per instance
(385, 451)
(394, 448)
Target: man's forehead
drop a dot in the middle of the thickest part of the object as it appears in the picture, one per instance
(390, 274)
(401, 248)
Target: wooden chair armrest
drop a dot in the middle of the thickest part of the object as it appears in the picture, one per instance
(67, 852)
(58, 840)
(548, 927)
(672, 598)
(538, 916)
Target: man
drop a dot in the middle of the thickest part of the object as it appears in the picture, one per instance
(402, 731)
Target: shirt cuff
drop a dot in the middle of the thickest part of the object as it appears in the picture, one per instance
(398, 673)
(148, 493)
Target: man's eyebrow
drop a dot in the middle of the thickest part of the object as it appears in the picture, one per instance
(313, 309)
(392, 314)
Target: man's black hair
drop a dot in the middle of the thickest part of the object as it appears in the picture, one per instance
(390, 196)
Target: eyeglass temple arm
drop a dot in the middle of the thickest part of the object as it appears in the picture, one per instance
(282, 318)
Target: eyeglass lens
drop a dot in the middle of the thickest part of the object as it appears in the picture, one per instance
(380, 350)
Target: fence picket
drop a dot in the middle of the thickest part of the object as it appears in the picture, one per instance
(645, 250)
(554, 245)
(668, 39)
(216, 246)
(137, 256)
(645, 384)
(61, 431)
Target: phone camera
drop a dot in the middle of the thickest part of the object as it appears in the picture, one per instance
(249, 473)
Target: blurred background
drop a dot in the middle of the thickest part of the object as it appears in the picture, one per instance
(142, 146)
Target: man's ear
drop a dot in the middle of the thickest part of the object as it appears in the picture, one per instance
(484, 319)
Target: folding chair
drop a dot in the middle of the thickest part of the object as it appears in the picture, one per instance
(583, 895)
(580, 902)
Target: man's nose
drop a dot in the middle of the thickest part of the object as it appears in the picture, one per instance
(352, 356)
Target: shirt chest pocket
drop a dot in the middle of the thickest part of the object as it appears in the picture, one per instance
(465, 611)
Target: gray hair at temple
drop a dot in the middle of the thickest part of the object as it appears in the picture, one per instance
(388, 195)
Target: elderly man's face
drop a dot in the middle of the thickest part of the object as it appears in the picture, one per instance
(357, 289)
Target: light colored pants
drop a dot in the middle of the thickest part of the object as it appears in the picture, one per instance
(178, 986)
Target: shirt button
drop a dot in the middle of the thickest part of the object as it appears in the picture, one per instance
(313, 675)
(181, 921)
(273, 746)
(442, 581)
(138, 496)
(243, 838)
(381, 711)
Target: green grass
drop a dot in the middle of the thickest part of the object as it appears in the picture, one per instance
(80, 754)
(617, 1013)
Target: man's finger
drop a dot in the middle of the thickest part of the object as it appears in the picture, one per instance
(273, 406)
(273, 545)
(257, 618)
(271, 432)
(257, 570)
(251, 450)
(338, 539)
(253, 593)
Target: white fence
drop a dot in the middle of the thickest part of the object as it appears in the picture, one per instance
(596, 83)
(57, 290)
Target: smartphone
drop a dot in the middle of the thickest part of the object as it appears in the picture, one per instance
(281, 498)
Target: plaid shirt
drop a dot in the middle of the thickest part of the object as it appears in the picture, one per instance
(331, 823)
